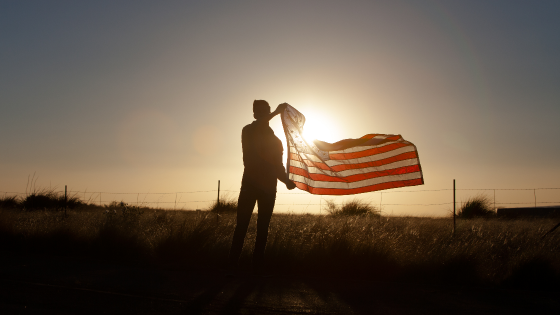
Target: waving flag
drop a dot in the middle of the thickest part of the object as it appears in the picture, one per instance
(352, 166)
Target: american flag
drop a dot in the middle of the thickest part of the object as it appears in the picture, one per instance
(352, 166)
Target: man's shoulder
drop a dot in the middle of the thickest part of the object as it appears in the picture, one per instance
(256, 128)
(248, 128)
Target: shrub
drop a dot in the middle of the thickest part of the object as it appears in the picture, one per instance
(476, 207)
(225, 205)
(45, 199)
(353, 207)
(10, 202)
(41, 200)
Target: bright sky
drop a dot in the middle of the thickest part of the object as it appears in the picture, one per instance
(146, 96)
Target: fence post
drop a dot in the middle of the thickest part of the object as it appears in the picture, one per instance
(218, 191)
(218, 204)
(454, 207)
(65, 198)
(535, 194)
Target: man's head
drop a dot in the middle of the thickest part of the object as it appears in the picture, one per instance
(260, 109)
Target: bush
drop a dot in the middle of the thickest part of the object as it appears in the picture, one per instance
(476, 207)
(353, 207)
(225, 205)
(45, 199)
(10, 202)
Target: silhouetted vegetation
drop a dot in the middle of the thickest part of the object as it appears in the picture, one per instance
(225, 205)
(9, 202)
(483, 251)
(477, 207)
(123, 210)
(350, 208)
(42, 200)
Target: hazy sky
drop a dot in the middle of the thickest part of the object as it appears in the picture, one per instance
(151, 96)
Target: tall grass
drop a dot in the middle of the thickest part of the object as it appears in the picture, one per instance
(224, 205)
(483, 251)
(350, 208)
(477, 207)
(42, 199)
(9, 202)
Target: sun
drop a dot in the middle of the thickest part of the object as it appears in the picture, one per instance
(320, 127)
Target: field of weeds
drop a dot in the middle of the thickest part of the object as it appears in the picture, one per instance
(482, 252)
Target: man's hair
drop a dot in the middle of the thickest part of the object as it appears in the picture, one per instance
(260, 106)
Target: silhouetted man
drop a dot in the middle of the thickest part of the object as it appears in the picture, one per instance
(262, 157)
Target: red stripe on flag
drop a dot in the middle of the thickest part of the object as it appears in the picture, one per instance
(295, 157)
(352, 191)
(344, 167)
(355, 177)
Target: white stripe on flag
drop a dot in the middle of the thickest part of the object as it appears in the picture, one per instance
(359, 184)
(390, 166)
(370, 158)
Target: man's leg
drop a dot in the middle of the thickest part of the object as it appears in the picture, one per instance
(245, 206)
(266, 206)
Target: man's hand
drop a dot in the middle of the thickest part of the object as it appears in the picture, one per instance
(281, 108)
(290, 184)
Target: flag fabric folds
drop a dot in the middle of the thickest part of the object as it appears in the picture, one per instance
(352, 166)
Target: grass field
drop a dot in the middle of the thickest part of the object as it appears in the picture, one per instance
(482, 252)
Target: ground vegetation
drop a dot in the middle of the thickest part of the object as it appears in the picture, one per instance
(477, 207)
(483, 251)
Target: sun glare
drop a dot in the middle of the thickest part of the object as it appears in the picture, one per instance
(320, 127)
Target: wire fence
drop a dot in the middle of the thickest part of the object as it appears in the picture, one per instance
(387, 201)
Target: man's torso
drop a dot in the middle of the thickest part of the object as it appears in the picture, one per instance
(262, 157)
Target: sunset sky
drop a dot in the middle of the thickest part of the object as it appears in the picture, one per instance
(151, 96)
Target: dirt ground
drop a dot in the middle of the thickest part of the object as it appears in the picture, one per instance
(36, 284)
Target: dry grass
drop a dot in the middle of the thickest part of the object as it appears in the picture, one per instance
(42, 199)
(225, 205)
(350, 208)
(477, 207)
(484, 251)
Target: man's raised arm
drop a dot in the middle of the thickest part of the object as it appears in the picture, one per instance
(278, 110)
